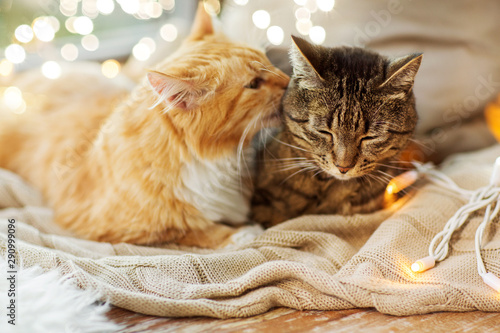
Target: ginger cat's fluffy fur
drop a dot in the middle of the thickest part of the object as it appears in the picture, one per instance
(145, 172)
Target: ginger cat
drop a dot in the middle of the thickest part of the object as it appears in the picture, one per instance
(165, 164)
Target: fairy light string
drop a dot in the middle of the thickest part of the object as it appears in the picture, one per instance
(486, 197)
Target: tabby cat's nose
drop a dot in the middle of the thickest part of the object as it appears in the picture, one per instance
(343, 170)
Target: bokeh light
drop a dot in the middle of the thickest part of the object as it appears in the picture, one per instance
(24, 33)
(168, 32)
(43, 29)
(302, 14)
(105, 7)
(300, 2)
(90, 42)
(15, 53)
(167, 4)
(70, 24)
(312, 6)
(83, 25)
(130, 6)
(325, 5)
(212, 6)
(317, 34)
(54, 23)
(303, 27)
(110, 68)
(69, 52)
(261, 19)
(13, 99)
(275, 35)
(151, 44)
(89, 8)
(241, 2)
(141, 52)
(68, 7)
(51, 70)
(153, 9)
(6, 67)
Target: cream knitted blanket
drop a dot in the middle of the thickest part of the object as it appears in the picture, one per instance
(312, 262)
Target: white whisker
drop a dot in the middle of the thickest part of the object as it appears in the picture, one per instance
(300, 171)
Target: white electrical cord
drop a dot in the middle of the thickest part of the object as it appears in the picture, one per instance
(487, 196)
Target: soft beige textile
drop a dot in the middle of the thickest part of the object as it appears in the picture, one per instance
(313, 262)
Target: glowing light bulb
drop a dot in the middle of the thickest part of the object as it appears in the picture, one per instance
(325, 5)
(51, 70)
(391, 189)
(275, 35)
(15, 53)
(261, 19)
(317, 34)
(6, 67)
(423, 264)
(83, 25)
(402, 181)
(24, 33)
(168, 32)
(110, 68)
(69, 52)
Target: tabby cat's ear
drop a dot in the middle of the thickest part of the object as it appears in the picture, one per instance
(401, 73)
(306, 63)
(202, 24)
(177, 93)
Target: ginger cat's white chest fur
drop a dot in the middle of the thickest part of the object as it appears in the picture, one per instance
(217, 189)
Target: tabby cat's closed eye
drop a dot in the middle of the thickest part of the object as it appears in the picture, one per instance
(368, 138)
(326, 134)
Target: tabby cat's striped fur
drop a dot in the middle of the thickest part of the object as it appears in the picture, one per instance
(348, 113)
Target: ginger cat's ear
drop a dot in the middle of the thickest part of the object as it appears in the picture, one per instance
(202, 24)
(401, 72)
(176, 92)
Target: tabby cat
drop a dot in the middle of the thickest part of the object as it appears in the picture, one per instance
(348, 113)
(146, 172)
